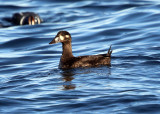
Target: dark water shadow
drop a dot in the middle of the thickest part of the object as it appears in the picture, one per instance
(68, 75)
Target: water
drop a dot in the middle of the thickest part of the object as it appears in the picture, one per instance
(30, 81)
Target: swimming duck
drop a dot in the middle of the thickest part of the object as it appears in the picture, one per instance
(26, 18)
(23, 18)
(69, 61)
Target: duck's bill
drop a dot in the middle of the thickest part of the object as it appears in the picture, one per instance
(55, 40)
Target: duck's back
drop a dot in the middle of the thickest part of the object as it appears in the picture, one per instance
(85, 61)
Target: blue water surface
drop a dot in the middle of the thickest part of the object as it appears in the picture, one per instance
(31, 82)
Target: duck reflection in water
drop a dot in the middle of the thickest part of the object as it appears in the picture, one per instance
(67, 76)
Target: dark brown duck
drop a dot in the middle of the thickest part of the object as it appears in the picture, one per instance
(24, 18)
(69, 61)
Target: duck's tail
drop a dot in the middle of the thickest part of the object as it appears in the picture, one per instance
(109, 51)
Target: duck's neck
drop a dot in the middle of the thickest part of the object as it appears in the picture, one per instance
(67, 50)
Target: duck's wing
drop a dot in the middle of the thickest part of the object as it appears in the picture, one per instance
(87, 61)
(95, 58)
(91, 61)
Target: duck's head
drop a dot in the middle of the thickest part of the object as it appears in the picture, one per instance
(63, 37)
(30, 20)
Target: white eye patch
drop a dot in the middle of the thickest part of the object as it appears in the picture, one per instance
(61, 38)
(57, 39)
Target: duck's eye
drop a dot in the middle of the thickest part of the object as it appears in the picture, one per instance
(57, 39)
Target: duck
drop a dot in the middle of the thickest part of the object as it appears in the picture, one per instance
(26, 18)
(23, 18)
(67, 59)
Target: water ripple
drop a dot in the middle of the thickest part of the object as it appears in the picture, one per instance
(30, 81)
